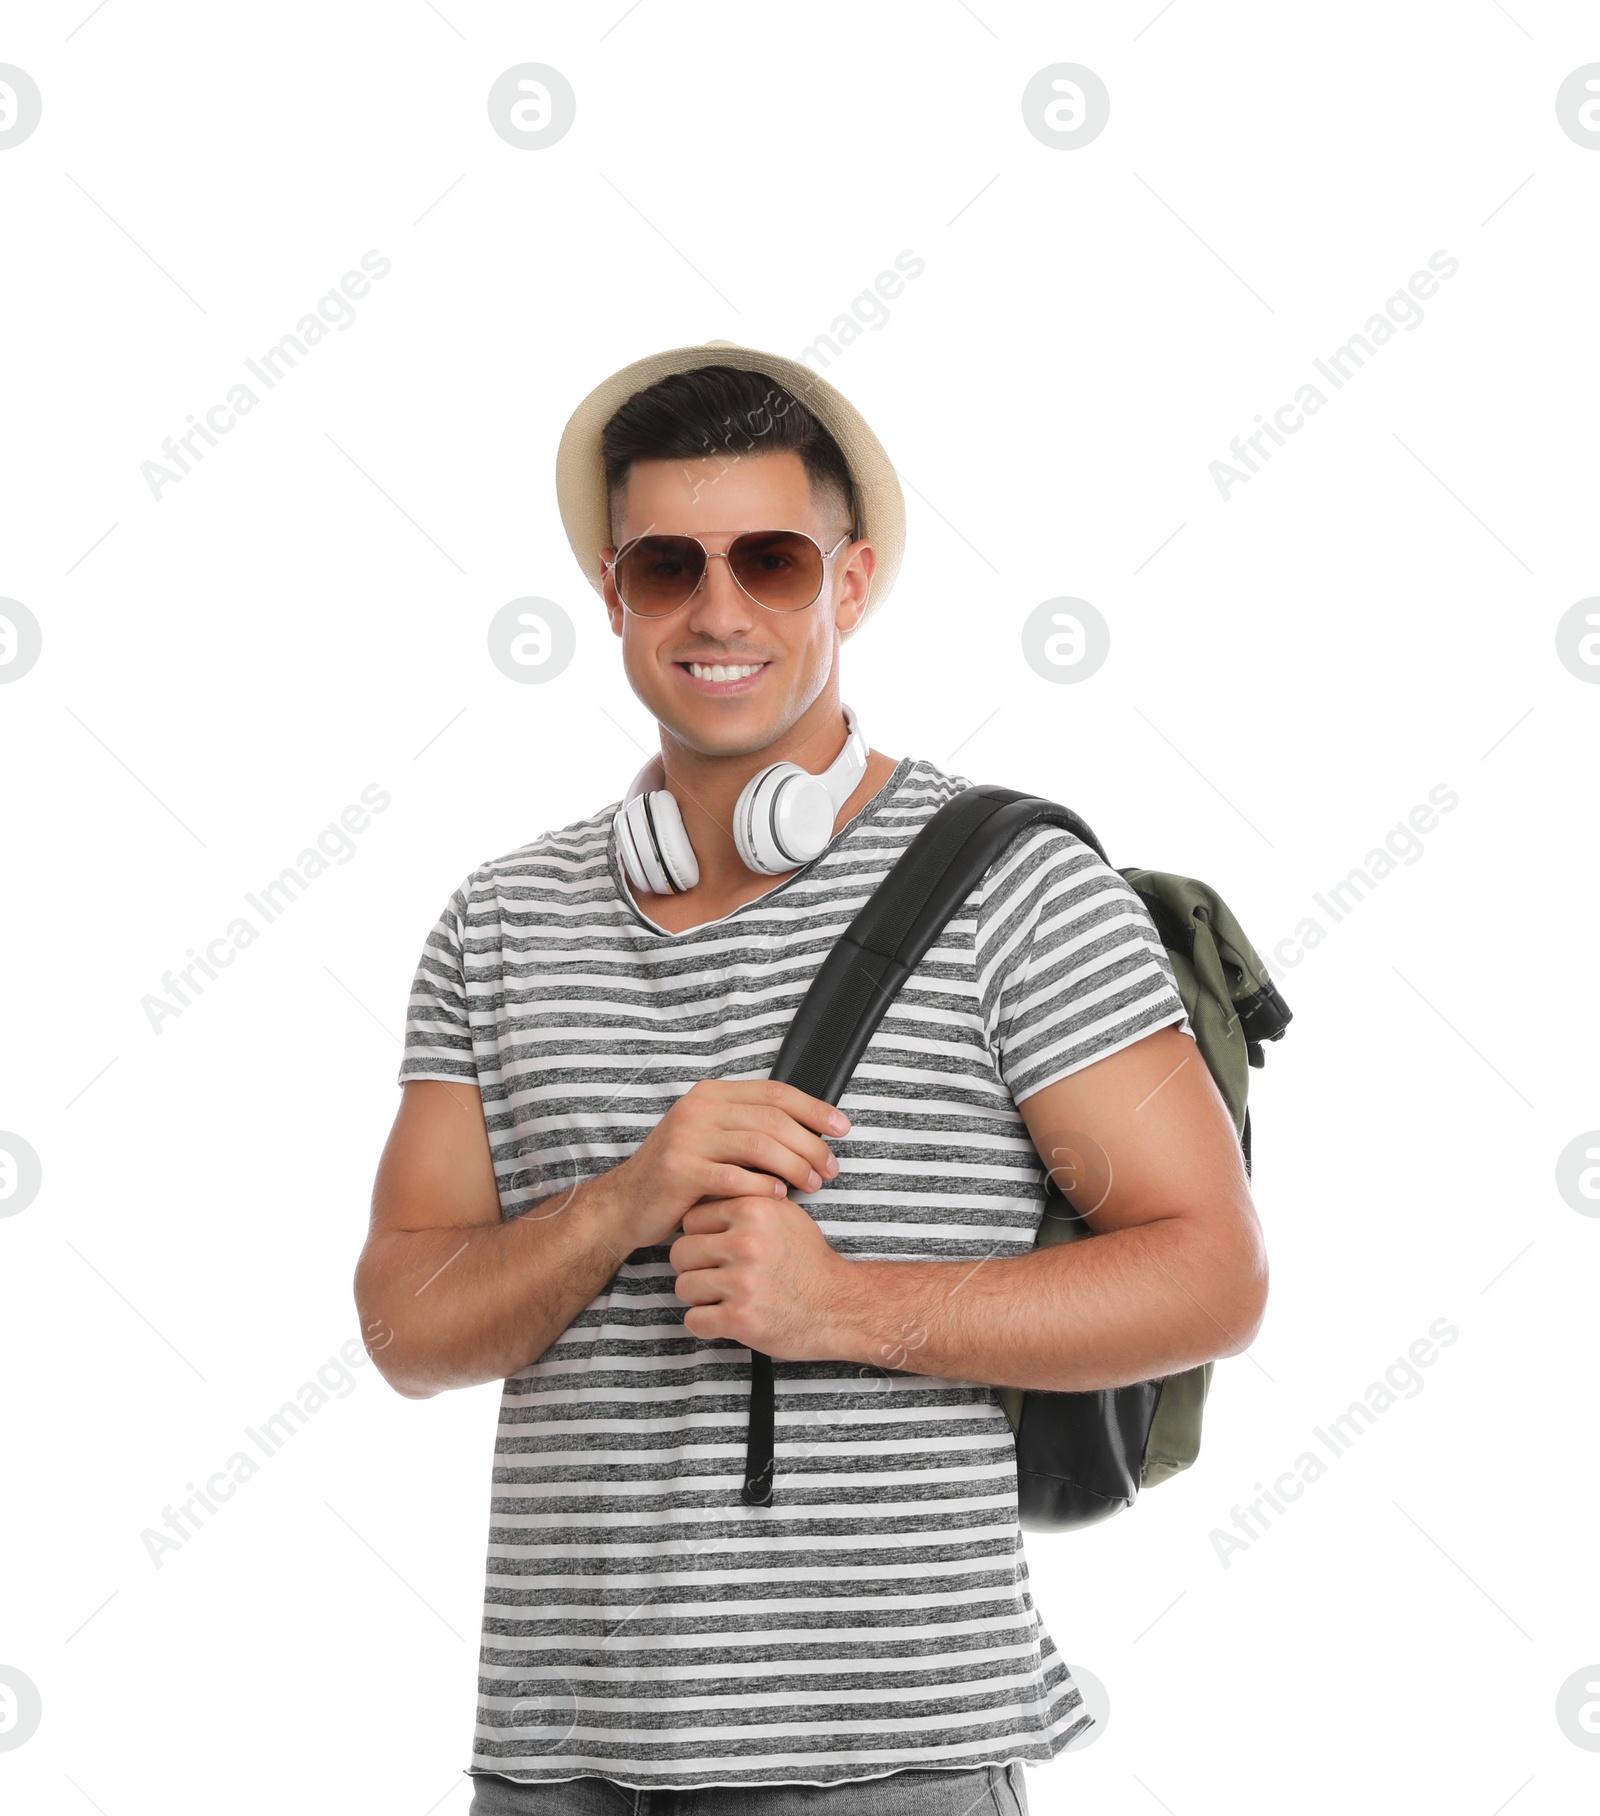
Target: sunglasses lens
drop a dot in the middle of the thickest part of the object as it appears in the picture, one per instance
(780, 568)
(658, 573)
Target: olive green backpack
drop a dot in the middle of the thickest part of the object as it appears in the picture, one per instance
(1080, 1456)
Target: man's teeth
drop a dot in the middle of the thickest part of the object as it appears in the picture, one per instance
(719, 672)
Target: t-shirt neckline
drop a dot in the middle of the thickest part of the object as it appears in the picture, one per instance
(867, 814)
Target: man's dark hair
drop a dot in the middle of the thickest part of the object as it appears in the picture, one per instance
(727, 414)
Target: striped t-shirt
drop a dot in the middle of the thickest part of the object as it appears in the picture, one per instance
(641, 1622)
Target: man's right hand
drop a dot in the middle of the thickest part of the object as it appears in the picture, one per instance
(725, 1138)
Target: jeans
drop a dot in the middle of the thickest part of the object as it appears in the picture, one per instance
(988, 1791)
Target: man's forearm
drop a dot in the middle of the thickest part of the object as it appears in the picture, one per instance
(456, 1307)
(1107, 1310)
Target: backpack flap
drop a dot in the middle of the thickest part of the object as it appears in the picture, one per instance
(1232, 1004)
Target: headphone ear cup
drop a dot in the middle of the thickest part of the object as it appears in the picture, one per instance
(751, 835)
(784, 819)
(627, 850)
(654, 845)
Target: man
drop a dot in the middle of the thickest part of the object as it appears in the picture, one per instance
(594, 1192)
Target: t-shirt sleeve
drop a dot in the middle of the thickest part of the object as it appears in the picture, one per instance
(438, 1036)
(1070, 966)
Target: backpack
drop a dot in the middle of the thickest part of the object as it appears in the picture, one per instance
(1080, 1456)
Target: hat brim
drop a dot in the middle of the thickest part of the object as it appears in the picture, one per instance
(580, 468)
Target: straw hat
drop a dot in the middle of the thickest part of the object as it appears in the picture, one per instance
(580, 470)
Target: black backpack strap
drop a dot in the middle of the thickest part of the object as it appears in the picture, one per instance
(859, 978)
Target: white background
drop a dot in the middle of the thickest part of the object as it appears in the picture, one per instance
(223, 671)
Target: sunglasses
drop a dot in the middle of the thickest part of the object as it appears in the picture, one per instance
(780, 569)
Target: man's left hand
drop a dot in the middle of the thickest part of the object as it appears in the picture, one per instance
(759, 1271)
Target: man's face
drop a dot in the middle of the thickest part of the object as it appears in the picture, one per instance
(717, 499)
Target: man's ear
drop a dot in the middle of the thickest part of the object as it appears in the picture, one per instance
(851, 605)
(608, 591)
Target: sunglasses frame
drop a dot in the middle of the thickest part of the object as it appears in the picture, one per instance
(711, 555)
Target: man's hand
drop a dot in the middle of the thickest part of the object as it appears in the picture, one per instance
(759, 1272)
(725, 1137)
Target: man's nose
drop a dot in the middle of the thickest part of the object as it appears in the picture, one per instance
(719, 589)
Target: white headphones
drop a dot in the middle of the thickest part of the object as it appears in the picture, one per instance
(784, 818)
